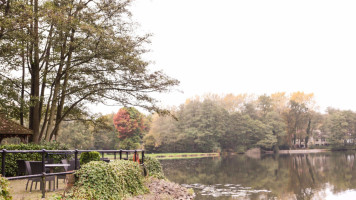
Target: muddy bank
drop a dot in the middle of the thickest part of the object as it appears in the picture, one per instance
(163, 189)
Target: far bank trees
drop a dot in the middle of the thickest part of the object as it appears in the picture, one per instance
(211, 124)
(236, 123)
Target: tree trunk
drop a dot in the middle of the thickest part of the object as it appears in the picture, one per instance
(22, 88)
(35, 77)
(45, 119)
(64, 87)
(44, 78)
(308, 133)
(60, 107)
(56, 88)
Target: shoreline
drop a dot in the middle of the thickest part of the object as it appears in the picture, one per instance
(299, 151)
(162, 156)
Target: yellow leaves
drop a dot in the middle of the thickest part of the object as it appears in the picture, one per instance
(301, 97)
(230, 101)
(278, 96)
(279, 100)
(234, 103)
(187, 101)
(304, 98)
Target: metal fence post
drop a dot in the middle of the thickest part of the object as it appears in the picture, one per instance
(135, 156)
(75, 159)
(3, 162)
(43, 160)
(102, 154)
(120, 154)
(143, 156)
(43, 182)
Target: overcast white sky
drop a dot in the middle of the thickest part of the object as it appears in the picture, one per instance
(254, 46)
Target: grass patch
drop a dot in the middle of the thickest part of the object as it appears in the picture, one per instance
(162, 156)
(181, 158)
(112, 156)
(165, 156)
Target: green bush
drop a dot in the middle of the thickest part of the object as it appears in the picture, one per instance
(115, 180)
(241, 149)
(87, 157)
(154, 167)
(337, 147)
(130, 143)
(4, 189)
(10, 162)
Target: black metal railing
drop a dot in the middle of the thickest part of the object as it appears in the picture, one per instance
(45, 153)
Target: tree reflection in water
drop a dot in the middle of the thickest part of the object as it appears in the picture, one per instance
(301, 176)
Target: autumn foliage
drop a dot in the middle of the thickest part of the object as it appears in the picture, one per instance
(129, 122)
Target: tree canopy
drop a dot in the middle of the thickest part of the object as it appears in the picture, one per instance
(236, 123)
(129, 122)
(57, 56)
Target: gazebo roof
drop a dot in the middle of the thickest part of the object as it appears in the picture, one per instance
(9, 127)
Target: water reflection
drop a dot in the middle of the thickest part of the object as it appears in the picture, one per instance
(227, 190)
(303, 176)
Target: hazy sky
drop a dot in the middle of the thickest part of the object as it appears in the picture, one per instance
(254, 46)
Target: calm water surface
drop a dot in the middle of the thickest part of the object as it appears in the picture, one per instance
(302, 176)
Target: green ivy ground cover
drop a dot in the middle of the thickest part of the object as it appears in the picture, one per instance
(105, 181)
(154, 167)
(4, 189)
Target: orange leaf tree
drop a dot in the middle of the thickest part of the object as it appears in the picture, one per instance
(129, 122)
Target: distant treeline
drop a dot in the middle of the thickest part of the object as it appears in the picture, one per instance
(214, 123)
(237, 123)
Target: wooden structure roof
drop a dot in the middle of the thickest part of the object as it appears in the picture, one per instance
(9, 128)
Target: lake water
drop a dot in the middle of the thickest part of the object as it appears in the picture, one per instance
(329, 175)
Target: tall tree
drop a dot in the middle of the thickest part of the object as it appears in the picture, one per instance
(130, 124)
(340, 126)
(298, 116)
(264, 103)
(104, 133)
(75, 52)
(280, 101)
(163, 134)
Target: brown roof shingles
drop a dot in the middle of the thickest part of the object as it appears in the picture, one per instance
(9, 127)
